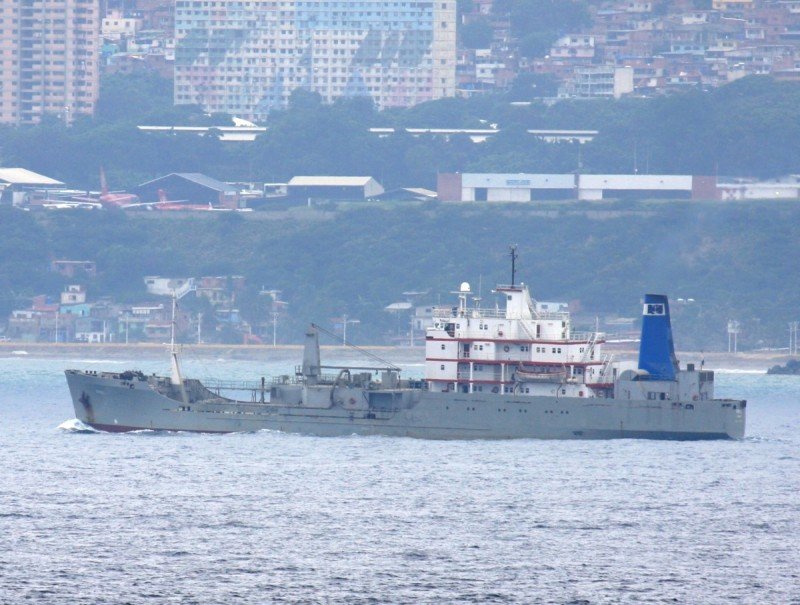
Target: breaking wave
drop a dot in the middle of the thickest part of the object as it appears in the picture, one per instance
(76, 426)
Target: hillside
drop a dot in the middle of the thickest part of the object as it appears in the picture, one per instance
(736, 260)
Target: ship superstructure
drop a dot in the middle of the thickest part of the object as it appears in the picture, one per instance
(520, 349)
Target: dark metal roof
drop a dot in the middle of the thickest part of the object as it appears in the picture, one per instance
(197, 178)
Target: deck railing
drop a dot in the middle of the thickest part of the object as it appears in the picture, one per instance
(481, 313)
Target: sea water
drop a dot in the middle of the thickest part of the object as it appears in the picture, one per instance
(88, 517)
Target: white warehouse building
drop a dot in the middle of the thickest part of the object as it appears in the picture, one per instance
(473, 187)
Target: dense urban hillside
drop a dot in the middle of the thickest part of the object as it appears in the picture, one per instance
(747, 128)
(736, 261)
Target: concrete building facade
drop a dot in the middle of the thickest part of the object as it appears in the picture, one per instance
(472, 187)
(334, 187)
(49, 61)
(246, 58)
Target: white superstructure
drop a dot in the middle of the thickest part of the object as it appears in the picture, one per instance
(518, 350)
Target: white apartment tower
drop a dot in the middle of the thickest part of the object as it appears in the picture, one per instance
(245, 57)
(49, 59)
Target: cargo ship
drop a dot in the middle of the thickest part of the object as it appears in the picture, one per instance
(516, 371)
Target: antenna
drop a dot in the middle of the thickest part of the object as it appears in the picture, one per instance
(514, 256)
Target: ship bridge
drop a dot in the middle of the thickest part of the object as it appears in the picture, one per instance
(516, 349)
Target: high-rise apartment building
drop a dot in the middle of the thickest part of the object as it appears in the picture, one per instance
(48, 59)
(245, 57)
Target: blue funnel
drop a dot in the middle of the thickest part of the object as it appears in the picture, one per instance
(656, 350)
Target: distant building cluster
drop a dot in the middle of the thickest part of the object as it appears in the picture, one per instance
(139, 35)
(246, 58)
(644, 47)
(49, 59)
(75, 317)
(240, 58)
(194, 192)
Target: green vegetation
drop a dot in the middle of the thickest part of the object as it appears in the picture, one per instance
(476, 34)
(359, 260)
(748, 128)
(539, 23)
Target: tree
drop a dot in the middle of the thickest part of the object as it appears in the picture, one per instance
(476, 34)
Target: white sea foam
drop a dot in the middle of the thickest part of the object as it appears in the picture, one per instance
(74, 425)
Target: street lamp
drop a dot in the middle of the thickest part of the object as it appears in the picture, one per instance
(276, 306)
(346, 321)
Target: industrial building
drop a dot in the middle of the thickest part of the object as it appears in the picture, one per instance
(470, 187)
(333, 187)
(787, 188)
(190, 188)
(49, 59)
(246, 58)
(17, 185)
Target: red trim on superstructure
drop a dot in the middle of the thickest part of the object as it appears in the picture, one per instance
(527, 362)
(516, 341)
(467, 381)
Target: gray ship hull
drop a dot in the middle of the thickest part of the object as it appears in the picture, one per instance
(110, 403)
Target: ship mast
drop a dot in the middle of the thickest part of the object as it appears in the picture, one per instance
(177, 378)
(513, 255)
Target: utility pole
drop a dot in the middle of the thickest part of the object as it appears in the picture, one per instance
(733, 333)
(274, 309)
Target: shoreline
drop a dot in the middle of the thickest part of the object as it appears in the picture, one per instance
(714, 360)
